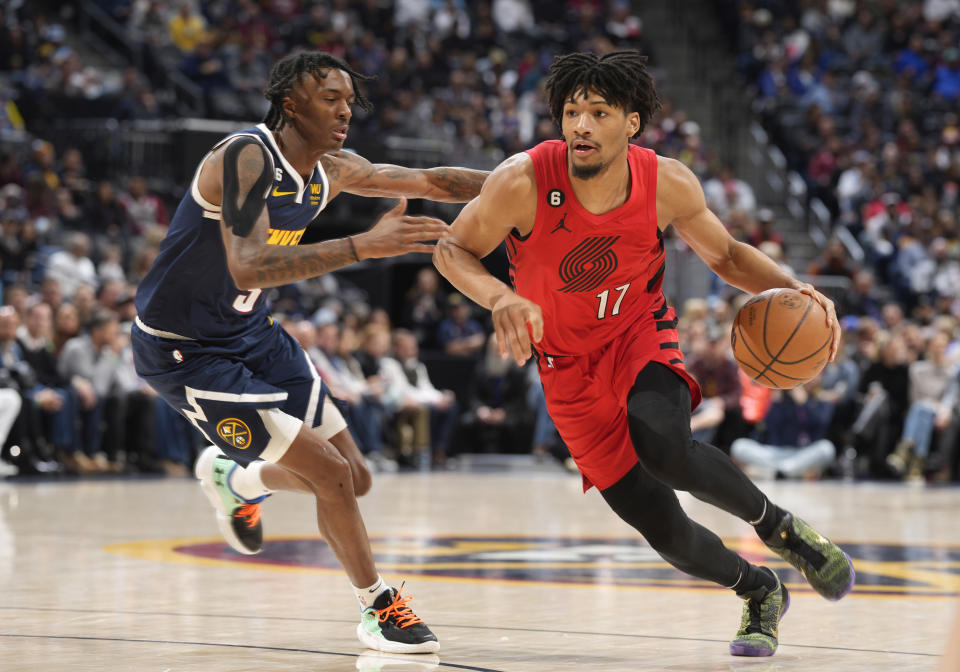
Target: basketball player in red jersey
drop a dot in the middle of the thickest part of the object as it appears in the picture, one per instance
(583, 220)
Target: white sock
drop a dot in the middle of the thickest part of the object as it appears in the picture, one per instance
(246, 481)
(369, 595)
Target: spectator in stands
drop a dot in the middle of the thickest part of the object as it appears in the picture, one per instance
(719, 379)
(725, 192)
(17, 381)
(85, 301)
(91, 362)
(884, 386)
(51, 295)
(143, 209)
(9, 411)
(794, 436)
(187, 28)
(66, 325)
(946, 83)
(53, 395)
(364, 410)
(834, 261)
(424, 307)
(929, 379)
(17, 251)
(497, 418)
(459, 334)
(408, 387)
(72, 267)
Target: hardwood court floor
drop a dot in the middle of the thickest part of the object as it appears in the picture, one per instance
(514, 573)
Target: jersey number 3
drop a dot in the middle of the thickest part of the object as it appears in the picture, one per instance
(605, 295)
(245, 301)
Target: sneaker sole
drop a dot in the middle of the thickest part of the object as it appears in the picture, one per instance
(201, 470)
(377, 644)
(853, 580)
(743, 650)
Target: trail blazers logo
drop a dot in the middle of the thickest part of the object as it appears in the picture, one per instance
(588, 264)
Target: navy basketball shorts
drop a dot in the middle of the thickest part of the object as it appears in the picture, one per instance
(251, 404)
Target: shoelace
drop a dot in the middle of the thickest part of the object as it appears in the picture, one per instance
(755, 617)
(398, 608)
(250, 512)
(798, 545)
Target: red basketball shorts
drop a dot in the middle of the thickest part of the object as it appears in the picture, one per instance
(587, 396)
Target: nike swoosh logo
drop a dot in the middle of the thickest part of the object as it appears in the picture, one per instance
(281, 193)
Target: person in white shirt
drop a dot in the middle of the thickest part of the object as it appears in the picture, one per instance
(408, 388)
(72, 266)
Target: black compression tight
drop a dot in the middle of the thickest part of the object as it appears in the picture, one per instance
(659, 415)
(658, 411)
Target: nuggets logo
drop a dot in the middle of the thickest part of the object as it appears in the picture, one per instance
(235, 432)
(882, 568)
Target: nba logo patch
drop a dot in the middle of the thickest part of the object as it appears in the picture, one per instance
(177, 355)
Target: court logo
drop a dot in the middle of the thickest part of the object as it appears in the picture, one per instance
(586, 266)
(235, 432)
(882, 568)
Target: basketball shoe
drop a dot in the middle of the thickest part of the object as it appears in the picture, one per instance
(237, 518)
(826, 567)
(760, 623)
(390, 625)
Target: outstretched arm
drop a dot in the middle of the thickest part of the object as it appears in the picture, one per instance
(355, 175)
(246, 175)
(507, 202)
(680, 200)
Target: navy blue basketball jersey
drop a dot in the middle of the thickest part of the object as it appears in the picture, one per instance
(188, 292)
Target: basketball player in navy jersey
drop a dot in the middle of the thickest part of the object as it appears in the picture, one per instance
(583, 221)
(204, 341)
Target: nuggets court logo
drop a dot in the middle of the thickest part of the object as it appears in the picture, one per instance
(235, 432)
(588, 264)
(883, 569)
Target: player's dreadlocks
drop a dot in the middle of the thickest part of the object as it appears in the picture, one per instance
(621, 77)
(288, 72)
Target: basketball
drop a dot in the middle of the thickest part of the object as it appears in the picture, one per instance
(780, 338)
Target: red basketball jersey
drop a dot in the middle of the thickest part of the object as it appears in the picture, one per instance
(592, 275)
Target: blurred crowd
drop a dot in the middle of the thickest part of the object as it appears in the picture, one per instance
(862, 97)
(74, 245)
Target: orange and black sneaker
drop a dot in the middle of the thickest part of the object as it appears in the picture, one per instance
(391, 626)
(237, 518)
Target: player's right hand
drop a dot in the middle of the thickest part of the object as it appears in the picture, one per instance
(511, 315)
(396, 233)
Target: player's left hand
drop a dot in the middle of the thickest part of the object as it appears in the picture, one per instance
(830, 309)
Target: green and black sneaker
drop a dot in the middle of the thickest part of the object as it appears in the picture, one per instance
(390, 626)
(237, 518)
(760, 623)
(827, 568)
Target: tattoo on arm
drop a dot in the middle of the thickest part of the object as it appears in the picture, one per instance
(457, 184)
(247, 174)
(274, 265)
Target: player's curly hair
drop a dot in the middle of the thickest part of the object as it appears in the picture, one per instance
(621, 77)
(288, 71)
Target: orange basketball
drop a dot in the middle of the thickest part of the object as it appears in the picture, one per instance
(780, 338)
